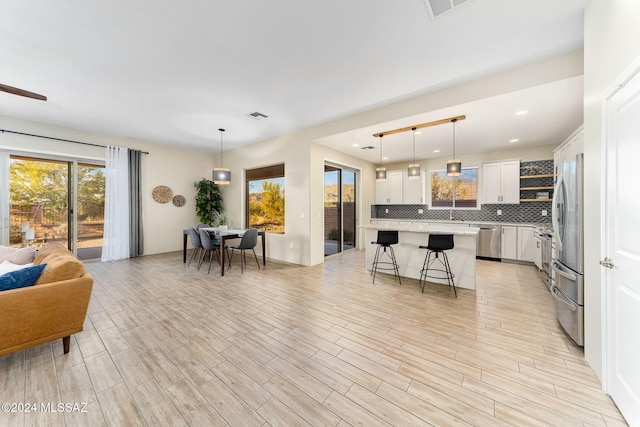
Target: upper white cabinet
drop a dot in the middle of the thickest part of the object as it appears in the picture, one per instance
(414, 189)
(501, 182)
(399, 189)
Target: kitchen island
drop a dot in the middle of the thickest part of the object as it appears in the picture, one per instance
(410, 257)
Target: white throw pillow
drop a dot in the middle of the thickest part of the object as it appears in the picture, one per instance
(7, 267)
(17, 255)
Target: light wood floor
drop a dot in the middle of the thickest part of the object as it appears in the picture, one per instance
(165, 344)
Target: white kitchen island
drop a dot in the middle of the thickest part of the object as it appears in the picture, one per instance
(410, 257)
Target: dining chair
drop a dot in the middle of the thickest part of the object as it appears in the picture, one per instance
(209, 246)
(195, 242)
(249, 241)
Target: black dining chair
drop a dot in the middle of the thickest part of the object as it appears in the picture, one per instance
(249, 241)
(438, 245)
(385, 239)
(209, 246)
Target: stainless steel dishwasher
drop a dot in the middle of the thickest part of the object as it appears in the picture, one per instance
(488, 244)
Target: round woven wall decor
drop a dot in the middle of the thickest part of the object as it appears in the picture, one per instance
(162, 194)
(179, 201)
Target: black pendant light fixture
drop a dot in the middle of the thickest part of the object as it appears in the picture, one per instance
(413, 171)
(381, 172)
(221, 175)
(454, 166)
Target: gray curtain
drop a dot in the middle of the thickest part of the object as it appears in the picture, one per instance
(136, 241)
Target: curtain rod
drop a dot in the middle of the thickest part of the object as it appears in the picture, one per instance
(58, 139)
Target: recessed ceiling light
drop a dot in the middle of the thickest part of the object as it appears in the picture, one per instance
(514, 140)
(385, 158)
(355, 145)
(436, 151)
(522, 112)
(418, 132)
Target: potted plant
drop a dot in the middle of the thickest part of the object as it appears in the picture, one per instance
(208, 201)
(220, 219)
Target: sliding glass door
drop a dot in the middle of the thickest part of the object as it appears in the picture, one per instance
(339, 209)
(56, 200)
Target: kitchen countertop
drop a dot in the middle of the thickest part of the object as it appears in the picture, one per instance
(422, 228)
(546, 226)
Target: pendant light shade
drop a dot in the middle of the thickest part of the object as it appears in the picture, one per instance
(221, 175)
(381, 172)
(454, 166)
(413, 171)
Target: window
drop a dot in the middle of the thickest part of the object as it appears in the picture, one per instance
(265, 198)
(466, 189)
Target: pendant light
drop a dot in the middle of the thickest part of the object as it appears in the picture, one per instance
(381, 172)
(454, 166)
(221, 176)
(413, 171)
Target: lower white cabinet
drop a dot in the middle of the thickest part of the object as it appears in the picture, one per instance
(509, 242)
(518, 243)
(526, 244)
(537, 253)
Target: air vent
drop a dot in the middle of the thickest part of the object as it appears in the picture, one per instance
(368, 147)
(437, 8)
(258, 116)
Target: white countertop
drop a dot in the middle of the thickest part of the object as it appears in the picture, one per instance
(446, 221)
(424, 228)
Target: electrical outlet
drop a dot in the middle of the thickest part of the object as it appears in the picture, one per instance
(291, 245)
(386, 211)
(499, 212)
(544, 212)
(420, 211)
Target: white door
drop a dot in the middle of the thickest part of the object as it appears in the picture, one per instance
(414, 189)
(510, 181)
(509, 242)
(621, 265)
(396, 187)
(491, 180)
(382, 192)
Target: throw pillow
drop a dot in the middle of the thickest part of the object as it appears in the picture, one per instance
(6, 267)
(17, 255)
(21, 278)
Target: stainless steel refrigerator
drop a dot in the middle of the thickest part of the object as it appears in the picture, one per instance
(568, 265)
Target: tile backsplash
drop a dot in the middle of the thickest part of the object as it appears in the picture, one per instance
(529, 212)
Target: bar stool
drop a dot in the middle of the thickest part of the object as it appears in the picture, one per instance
(438, 244)
(385, 239)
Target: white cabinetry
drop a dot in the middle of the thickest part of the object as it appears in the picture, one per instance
(518, 243)
(414, 189)
(399, 189)
(526, 244)
(501, 182)
(537, 253)
(509, 242)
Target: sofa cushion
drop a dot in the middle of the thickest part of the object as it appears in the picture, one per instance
(17, 255)
(60, 266)
(21, 278)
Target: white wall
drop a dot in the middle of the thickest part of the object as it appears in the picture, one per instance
(612, 42)
(177, 169)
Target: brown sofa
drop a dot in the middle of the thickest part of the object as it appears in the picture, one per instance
(55, 307)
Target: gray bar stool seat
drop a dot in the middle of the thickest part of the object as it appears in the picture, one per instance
(436, 251)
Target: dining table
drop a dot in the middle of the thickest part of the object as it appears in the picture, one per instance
(223, 235)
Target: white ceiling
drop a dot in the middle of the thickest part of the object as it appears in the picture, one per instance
(174, 72)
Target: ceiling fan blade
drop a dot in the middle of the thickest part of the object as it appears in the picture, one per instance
(22, 92)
